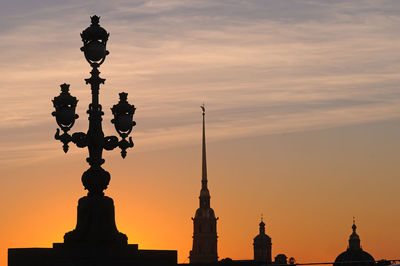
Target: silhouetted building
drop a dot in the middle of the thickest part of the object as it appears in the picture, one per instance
(204, 248)
(262, 246)
(280, 259)
(354, 255)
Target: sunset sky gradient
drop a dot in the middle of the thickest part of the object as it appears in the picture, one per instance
(303, 121)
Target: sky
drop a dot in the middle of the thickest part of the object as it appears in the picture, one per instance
(303, 119)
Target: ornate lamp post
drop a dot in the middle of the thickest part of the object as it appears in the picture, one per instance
(95, 239)
(96, 221)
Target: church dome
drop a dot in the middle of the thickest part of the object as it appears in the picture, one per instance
(363, 258)
(354, 255)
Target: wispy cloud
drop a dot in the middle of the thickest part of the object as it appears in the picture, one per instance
(261, 67)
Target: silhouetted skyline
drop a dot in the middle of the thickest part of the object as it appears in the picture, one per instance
(303, 121)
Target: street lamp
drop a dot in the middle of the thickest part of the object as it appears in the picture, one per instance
(96, 221)
(65, 105)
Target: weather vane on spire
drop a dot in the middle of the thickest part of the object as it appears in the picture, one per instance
(203, 108)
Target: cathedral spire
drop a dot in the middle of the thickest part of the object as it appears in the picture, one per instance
(204, 159)
(204, 193)
(204, 222)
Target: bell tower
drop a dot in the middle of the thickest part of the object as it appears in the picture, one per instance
(204, 248)
(262, 245)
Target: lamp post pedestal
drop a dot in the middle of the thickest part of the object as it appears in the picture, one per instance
(95, 224)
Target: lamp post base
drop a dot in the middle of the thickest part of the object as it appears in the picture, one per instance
(95, 224)
(94, 242)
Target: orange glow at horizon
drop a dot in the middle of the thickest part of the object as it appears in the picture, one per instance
(303, 119)
(308, 217)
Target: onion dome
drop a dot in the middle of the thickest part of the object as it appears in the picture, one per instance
(262, 236)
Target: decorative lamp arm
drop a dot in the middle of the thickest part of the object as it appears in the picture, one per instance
(65, 138)
(111, 142)
(124, 145)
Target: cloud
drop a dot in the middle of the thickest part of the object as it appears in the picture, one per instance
(261, 67)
